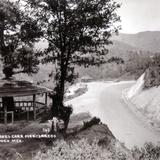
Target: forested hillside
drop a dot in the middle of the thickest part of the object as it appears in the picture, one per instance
(148, 41)
(136, 50)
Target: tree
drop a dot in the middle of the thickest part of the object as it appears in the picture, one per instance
(18, 32)
(77, 32)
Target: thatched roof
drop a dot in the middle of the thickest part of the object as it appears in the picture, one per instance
(17, 88)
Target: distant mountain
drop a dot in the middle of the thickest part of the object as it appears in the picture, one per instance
(123, 43)
(121, 49)
(148, 41)
(125, 46)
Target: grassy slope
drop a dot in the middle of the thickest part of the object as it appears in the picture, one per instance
(146, 100)
(101, 132)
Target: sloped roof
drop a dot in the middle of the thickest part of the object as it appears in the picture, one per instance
(17, 88)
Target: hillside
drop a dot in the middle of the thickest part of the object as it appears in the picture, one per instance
(135, 49)
(82, 133)
(148, 41)
(145, 101)
(121, 49)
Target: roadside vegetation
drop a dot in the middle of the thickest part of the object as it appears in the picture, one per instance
(152, 77)
(79, 150)
(88, 140)
(88, 146)
(148, 152)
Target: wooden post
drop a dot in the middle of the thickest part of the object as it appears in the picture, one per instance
(46, 101)
(34, 107)
(27, 115)
(5, 114)
(12, 114)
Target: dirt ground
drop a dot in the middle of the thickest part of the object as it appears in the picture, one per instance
(27, 147)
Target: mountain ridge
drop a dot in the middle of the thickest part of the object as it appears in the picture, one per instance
(147, 40)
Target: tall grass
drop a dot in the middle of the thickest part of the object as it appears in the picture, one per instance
(79, 150)
(148, 152)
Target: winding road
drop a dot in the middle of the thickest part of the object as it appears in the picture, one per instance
(104, 100)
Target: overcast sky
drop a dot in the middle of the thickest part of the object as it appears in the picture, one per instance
(139, 15)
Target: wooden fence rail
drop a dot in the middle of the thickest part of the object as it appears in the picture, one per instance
(21, 107)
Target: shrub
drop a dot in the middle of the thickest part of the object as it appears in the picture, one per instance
(9, 154)
(93, 121)
(152, 76)
(148, 152)
(80, 150)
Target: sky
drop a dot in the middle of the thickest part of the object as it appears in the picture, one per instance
(139, 15)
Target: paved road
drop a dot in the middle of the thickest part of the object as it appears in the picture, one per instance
(104, 100)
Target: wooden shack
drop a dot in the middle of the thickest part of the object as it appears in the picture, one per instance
(10, 89)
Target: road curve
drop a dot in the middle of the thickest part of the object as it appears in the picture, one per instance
(104, 100)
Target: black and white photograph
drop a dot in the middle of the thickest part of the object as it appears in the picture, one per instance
(79, 80)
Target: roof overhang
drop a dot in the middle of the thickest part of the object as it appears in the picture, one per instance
(17, 88)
